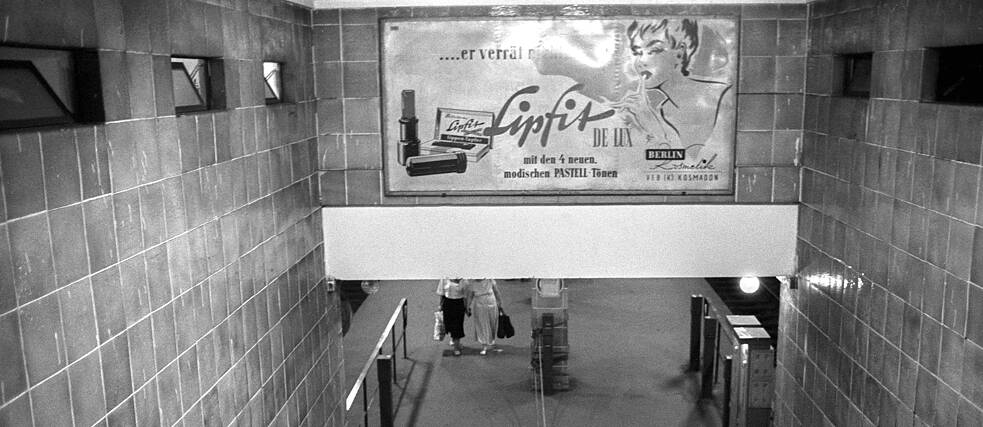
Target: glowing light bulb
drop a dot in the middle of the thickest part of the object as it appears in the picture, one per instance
(750, 285)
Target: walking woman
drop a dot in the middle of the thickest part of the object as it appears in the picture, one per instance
(453, 303)
(485, 304)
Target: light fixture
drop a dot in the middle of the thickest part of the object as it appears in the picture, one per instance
(792, 282)
(750, 285)
(370, 286)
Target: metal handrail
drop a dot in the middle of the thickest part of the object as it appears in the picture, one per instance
(376, 351)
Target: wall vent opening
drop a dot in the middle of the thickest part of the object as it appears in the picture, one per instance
(952, 75)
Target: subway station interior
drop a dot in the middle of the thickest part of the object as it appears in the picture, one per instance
(695, 213)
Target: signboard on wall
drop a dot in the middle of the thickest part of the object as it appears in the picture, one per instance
(635, 105)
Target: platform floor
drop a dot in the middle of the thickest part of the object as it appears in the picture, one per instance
(628, 350)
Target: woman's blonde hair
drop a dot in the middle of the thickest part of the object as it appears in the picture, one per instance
(682, 35)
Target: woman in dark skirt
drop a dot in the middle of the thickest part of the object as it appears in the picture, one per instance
(453, 302)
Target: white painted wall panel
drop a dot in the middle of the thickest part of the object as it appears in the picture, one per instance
(560, 241)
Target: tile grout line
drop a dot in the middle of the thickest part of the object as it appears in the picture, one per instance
(78, 159)
(797, 157)
(100, 344)
(144, 251)
(27, 387)
(3, 196)
(92, 304)
(68, 377)
(901, 352)
(177, 358)
(344, 114)
(158, 370)
(903, 300)
(158, 181)
(44, 181)
(246, 351)
(88, 277)
(20, 325)
(307, 374)
(305, 338)
(892, 196)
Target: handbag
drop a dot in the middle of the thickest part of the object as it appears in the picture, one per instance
(439, 331)
(505, 329)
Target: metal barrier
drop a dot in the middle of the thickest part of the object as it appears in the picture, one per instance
(546, 361)
(696, 309)
(386, 368)
(709, 343)
(550, 349)
(743, 351)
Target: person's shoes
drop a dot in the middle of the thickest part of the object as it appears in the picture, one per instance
(484, 351)
(497, 349)
(457, 352)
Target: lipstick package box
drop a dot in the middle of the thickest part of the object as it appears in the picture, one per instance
(460, 131)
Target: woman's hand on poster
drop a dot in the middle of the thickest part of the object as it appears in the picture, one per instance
(631, 106)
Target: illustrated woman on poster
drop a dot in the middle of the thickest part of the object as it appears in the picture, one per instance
(650, 73)
(670, 105)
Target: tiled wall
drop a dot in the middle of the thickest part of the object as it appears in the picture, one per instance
(769, 120)
(160, 268)
(886, 327)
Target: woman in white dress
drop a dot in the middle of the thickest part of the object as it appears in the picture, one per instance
(485, 303)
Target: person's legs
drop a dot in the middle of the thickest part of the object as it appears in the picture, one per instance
(494, 328)
(486, 322)
(454, 321)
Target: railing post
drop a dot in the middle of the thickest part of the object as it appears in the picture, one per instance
(696, 320)
(709, 336)
(716, 352)
(390, 363)
(728, 381)
(393, 336)
(404, 329)
(365, 405)
(385, 369)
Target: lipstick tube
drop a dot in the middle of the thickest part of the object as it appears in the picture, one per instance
(435, 164)
(409, 143)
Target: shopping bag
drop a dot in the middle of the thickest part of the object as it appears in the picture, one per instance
(505, 329)
(438, 326)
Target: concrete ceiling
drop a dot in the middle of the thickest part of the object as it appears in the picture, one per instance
(353, 4)
(305, 3)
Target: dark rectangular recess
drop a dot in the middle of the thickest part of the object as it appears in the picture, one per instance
(856, 69)
(273, 82)
(957, 71)
(88, 88)
(28, 97)
(191, 87)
